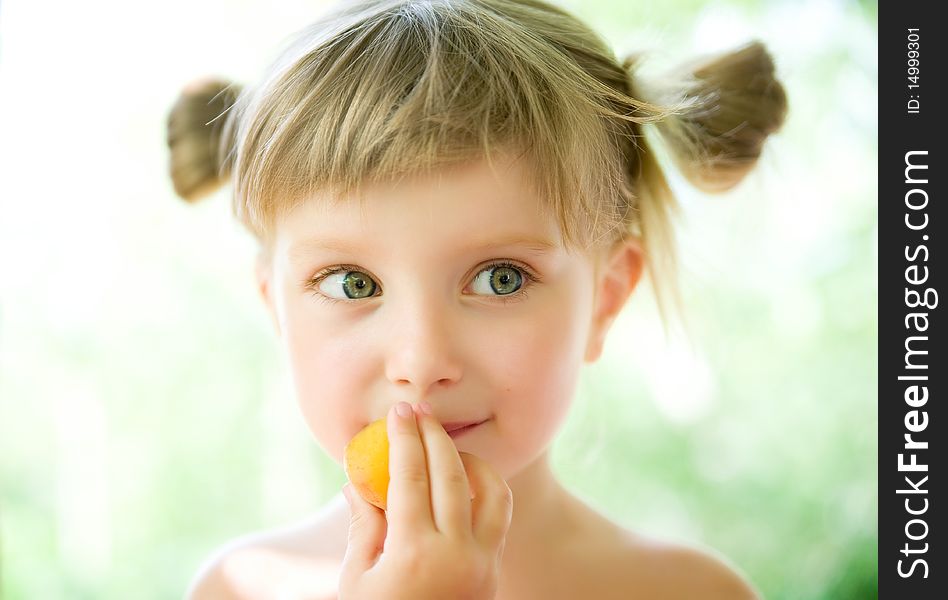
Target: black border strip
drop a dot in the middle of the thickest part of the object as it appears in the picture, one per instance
(911, 275)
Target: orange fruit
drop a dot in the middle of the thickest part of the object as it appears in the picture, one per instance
(365, 460)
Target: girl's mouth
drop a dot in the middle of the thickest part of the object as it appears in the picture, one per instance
(456, 430)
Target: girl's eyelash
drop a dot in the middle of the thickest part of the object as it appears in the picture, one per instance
(530, 277)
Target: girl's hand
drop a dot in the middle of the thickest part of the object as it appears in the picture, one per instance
(434, 542)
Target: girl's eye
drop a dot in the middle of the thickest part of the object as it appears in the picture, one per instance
(354, 284)
(501, 279)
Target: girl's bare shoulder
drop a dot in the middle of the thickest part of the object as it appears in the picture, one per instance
(301, 560)
(608, 561)
(664, 569)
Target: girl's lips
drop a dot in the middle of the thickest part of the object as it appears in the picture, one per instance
(449, 427)
(459, 428)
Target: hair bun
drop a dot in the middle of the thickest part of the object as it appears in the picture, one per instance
(730, 103)
(198, 164)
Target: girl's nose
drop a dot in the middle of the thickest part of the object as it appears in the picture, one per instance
(421, 349)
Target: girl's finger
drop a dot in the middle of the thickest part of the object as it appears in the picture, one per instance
(366, 534)
(493, 501)
(408, 504)
(450, 492)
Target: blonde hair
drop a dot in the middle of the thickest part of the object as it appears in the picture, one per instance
(381, 89)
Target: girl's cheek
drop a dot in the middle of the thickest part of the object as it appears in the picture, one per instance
(325, 371)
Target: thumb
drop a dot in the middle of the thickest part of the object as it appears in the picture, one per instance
(367, 528)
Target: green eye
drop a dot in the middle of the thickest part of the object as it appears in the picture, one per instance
(354, 284)
(501, 279)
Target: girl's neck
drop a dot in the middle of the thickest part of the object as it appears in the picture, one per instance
(543, 512)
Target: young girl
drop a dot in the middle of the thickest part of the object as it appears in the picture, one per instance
(454, 199)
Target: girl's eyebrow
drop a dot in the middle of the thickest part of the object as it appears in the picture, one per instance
(298, 251)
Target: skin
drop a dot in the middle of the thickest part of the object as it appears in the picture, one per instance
(434, 330)
(438, 541)
(427, 335)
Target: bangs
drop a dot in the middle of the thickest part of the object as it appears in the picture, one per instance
(379, 91)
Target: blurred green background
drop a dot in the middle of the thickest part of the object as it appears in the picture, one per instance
(146, 414)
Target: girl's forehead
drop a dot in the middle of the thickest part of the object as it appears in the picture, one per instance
(438, 233)
(471, 204)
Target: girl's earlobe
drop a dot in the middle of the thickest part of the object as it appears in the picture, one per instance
(620, 276)
(593, 347)
(264, 275)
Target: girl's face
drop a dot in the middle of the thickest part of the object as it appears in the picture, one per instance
(453, 290)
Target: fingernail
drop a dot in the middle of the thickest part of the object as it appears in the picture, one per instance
(403, 409)
(426, 408)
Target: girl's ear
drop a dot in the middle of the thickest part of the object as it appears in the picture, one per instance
(616, 277)
(264, 276)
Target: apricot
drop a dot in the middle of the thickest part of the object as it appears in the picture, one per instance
(365, 460)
